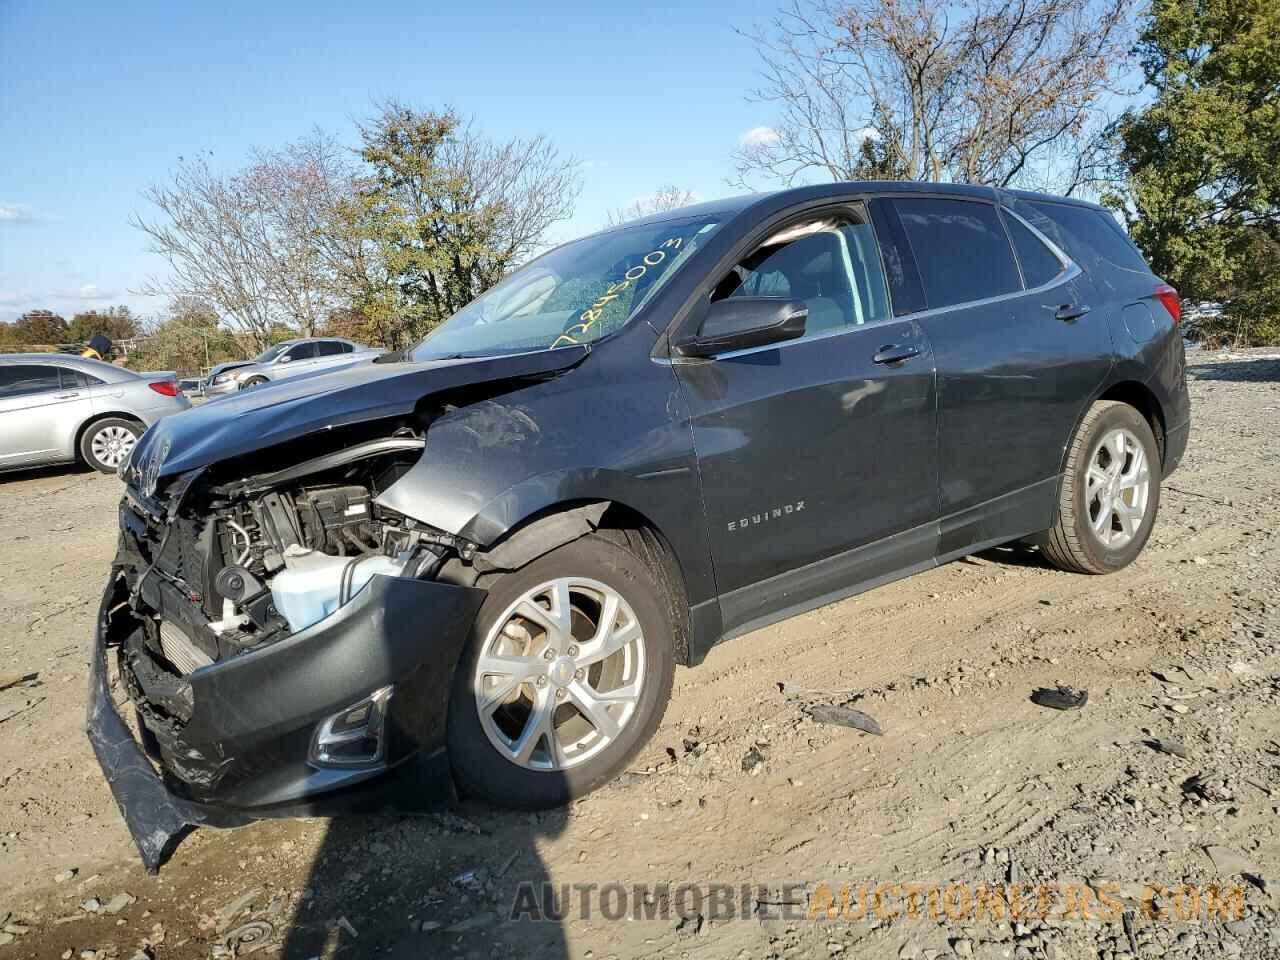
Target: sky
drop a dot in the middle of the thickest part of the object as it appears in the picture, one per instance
(100, 100)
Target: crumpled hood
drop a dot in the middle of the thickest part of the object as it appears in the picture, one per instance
(277, 412)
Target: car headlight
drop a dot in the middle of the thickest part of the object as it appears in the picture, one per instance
(223, 377)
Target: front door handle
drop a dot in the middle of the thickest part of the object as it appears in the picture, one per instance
(895, 353)
(1070, 312)
(66, 396)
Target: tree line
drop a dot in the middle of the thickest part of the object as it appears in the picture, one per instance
(383, 242)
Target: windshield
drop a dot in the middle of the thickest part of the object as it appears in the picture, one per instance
(577, 293)
(269, 354)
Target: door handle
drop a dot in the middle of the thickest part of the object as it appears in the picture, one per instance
(895, 353)
(66, 396)
(1070, 312)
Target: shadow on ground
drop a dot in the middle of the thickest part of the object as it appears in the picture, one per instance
(68, 470)
(1237, 371)
(429, 886)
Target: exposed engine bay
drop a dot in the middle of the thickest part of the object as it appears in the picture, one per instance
(251, 560)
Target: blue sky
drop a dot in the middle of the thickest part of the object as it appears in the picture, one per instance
(98, 100)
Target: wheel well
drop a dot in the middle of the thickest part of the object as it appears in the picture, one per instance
(623, 525)
(98, 418)
(647, 541)
(1144, 401)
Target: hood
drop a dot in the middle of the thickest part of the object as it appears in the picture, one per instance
(284, 410)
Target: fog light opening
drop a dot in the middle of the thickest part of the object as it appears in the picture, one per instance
(354, 736)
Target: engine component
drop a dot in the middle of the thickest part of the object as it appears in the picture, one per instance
(336, 518)
(314, 585)
(179, 650)
(238, 584)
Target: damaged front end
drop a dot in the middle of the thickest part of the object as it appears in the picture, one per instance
(283, 638)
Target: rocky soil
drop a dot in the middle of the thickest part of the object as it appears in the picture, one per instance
(1168, 777)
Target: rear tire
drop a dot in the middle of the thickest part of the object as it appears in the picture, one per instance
(108, 442)
(1110, 492)
(596, 575)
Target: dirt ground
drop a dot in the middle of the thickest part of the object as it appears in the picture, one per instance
(1165, 782)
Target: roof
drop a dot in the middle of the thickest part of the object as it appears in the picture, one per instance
(781, 198)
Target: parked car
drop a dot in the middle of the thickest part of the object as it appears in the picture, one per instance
(288, 359)
(191, 386)
(478, 562)
(59, 408)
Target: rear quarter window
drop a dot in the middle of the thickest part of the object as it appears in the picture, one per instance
(1039, 264)
(1091, 237)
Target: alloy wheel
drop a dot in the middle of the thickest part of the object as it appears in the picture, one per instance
(1118, 488)
(560, 674)
(112, 445)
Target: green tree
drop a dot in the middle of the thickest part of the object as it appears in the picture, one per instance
(116, 323)
(41, 327)
(443, 213)
(1202, 178)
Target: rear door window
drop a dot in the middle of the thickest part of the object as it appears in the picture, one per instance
(961, 249)
(1039, 264)
(24, 379)
(303, 351)
(1091, 237)
(330, 348)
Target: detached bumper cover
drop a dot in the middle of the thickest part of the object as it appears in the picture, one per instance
(156, 818)
(242, 753)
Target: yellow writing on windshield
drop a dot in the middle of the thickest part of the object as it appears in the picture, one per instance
(591, 316)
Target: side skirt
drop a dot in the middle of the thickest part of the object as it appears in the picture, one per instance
(1005, 518)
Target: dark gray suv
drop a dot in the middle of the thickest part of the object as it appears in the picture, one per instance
(477, 562)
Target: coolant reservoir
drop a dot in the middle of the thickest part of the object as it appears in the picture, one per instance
(312, 584)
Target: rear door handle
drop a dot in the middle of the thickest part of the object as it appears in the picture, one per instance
(1070, 312)
(895, 353)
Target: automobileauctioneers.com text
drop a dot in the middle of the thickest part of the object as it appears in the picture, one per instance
(1065, 902)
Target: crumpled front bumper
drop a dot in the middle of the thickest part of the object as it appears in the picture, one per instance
(243, 752)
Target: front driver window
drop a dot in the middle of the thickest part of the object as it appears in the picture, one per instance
(830, 262)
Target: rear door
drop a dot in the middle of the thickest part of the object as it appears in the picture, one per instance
(41, 408)
(302, 359)
(333, 353)
(817, 455)
(1019, 351)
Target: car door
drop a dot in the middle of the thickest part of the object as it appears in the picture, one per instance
(41, 408)
(302, 359)
(333, 353)
(817, 455)
(1018, 353)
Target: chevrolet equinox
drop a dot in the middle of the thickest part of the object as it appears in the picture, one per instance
(474, 564)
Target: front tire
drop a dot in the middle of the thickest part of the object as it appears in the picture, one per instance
(566, 675)
(254, 382)
(107, 443)
(1110, 492)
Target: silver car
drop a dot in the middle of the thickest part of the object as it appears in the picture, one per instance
(288, 359)
(56, 408)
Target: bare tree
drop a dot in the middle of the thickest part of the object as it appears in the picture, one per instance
(670, 197)
(264, 244)
(997, 91)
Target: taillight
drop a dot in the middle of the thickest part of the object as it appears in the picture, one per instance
(1169, 297)
(166, 388)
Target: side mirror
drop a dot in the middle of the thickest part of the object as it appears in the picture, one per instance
(742, 322)
(284, 359)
